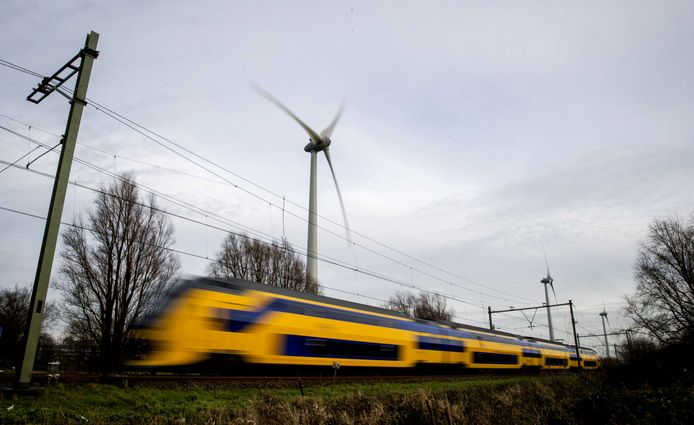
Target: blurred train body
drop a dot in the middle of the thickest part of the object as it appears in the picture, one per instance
(250, 323)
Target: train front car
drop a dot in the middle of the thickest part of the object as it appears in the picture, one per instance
(190, 326)
(207, 319)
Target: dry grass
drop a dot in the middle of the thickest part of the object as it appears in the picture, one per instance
(527, 402)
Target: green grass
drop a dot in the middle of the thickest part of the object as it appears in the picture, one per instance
(100, 403)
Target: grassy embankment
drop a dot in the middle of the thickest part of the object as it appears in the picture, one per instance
(565, 398)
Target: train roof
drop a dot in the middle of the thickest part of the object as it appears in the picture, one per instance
(238, 285)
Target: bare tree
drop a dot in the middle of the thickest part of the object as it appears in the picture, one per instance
(403, 302)
(426, 305)
(663, 304)
(14, 303)
(242, 257)
(115, 267)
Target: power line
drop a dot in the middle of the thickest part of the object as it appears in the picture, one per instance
(16, 67)
(510, 316)
(19, 159)
(152, 192)
(28, 125)
(105, 152)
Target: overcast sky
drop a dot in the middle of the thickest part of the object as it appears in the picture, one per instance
(474, 134)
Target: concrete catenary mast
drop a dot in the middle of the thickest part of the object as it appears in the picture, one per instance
(81, 65)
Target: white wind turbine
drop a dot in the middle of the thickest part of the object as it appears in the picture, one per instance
(603, 315)
(548, 280)
(317, 143)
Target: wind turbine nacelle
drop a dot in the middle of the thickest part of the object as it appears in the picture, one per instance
(317, 145)
(546, 280)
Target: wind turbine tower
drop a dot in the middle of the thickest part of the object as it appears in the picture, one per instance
(603, 315)
(317, 143)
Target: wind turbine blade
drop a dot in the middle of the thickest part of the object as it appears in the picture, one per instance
(326, 151)
(552, 286)
(605, 313)
(546, 262)
(329, 129)
(315, 137)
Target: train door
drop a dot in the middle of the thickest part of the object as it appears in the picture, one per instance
(444, 345)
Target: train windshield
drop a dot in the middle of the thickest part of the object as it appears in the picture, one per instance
(163, 302)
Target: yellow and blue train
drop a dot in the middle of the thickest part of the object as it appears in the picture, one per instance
(205, 318)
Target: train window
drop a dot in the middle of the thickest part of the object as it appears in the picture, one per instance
(481, 357)
(316, 342)
(314, 312)
(532, 353)
(439, 344)
(299, 345)
(556, 361)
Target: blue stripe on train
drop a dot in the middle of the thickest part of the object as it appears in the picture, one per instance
(440, 344)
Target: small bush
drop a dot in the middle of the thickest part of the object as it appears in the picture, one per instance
(645, 363)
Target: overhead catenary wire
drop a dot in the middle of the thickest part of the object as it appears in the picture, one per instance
(105, 152)
(595, 321)
(155, 193)
(16, 67)
(126, 158)
(28, 125)
(543, 325)
(145, 188)
(20, 158)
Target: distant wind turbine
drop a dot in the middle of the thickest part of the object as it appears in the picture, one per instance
(548, 280)
(603, 315)
(317, 142)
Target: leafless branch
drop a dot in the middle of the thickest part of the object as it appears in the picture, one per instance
(115, 268)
